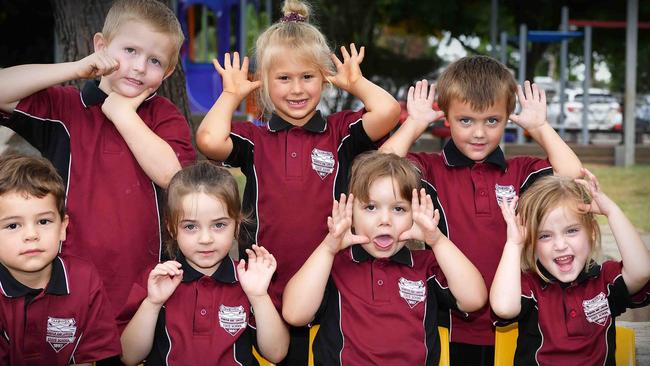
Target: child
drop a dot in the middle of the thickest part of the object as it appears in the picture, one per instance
(53, 309)
(192, 310)
(377, 300)
(299, 162)
(477, 96)
(114, 142)
(564, 301)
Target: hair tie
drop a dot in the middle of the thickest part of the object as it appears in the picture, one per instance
(293, 17)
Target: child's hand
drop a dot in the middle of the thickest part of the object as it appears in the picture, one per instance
(255, 279)
(419, 103)
(348, 72)
(340, 224)
(163, 280)
(600, 203)
(119, 108)
(235, 78)
(425, 220)
(515, 231)
(533, 107)
(95, 65)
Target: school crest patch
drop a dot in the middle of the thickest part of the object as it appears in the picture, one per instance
(504, 192)
(412, 291)
(232, 318)
(60, 332)
(322, 162)
(597, 309)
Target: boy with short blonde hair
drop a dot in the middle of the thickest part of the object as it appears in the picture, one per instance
(115, 142)
(477, 96)
(53, 309)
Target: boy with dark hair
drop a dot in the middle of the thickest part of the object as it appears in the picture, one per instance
(115, 142)
(53, 310)
(477, 96)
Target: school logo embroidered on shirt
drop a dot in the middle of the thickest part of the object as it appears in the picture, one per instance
(60, 332)
(411, 291)
(506, 192)
(322, 162)
(232, 318)
(597, 309)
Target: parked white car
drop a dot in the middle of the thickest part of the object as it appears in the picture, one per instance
(604, 110)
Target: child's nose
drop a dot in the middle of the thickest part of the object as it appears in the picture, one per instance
(30, 233)
(139, 64)
(559, 244)
(296, 86)
(205, 237)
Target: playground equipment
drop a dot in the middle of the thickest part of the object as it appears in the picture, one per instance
(211, 28)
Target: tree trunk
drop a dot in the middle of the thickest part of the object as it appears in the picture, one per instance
(75, 24)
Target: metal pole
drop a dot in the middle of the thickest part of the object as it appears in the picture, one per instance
(564, 55)
(503, 51)
(494, 21)
(631, 33)
(586, 84)
(523, 43)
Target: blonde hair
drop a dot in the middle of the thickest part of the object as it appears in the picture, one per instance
(152, 12)
(203, 177)
(479, 80)
(372, 165)
(293, 32)
(32, 176)
(547, 194)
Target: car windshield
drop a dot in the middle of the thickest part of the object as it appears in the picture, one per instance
(597, 98)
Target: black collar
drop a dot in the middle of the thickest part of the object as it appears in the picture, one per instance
(454, 157)
(592, 270)
(225, 272)
(91, 94)
(58, 284)
(403, 256)
(316, 123)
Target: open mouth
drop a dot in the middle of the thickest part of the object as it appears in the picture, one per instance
(297, 103)
(383, 242)
(564, 263)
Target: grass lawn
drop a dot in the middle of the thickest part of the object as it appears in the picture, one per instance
(629, 188)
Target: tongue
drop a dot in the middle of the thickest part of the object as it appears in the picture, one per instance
(564, 263)
(384, 241)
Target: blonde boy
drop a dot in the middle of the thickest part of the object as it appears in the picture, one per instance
(115, 142)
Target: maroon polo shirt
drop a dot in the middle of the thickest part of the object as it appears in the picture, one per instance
(572, 323)
(207, 320)
(113, 205)
(70, 321)
(465, 194)
(382, 311)
(292, 175)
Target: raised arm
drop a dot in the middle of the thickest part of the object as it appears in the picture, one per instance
(634, 254)
(419, 105)
(22, 81)
(382, 110)
(533, 118)
(138, 336)
(213, 135)
(272, 332)
(303, 294)
(505, 293)
(464, 280)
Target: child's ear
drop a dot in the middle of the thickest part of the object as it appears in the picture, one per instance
(169, 72)
(99, 42)
(64, 227)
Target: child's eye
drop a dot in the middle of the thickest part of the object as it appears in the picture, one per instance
(465, 121)
(370, 207)
(11, 226)
(220, 225)
(44, 221)
(400, 209)
(492, 121)
(543, 236)
(155, 61)
(129, 49)
(573, 230)
(189, 227)
(308, 76)
(283, 77)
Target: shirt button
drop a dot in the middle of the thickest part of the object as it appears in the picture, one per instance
(203, 312)
(482, 193)
(380, 282)
(572, 313)
(293, 154)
